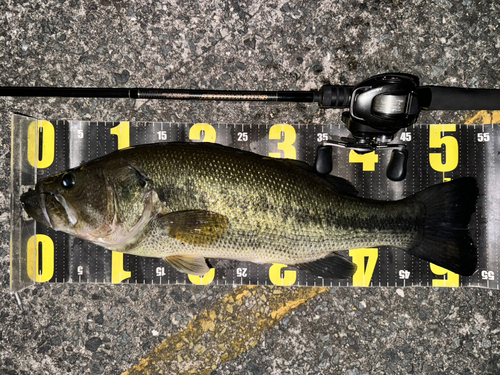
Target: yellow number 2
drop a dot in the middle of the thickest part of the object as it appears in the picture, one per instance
(197, 129)
(203, 280)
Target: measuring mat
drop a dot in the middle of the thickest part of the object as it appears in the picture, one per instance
(437, 153)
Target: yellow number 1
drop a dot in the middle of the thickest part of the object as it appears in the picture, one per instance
(118, 273)
(122, 132)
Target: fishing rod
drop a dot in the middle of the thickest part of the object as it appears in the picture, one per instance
(376, 109)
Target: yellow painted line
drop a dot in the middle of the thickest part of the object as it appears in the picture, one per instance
(483, 118)
(234, 326)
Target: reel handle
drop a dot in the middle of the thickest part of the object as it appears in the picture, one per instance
(397, 167)
(324, 162)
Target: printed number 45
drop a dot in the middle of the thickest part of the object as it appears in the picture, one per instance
(405, 136)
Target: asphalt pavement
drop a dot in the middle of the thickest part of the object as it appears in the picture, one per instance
(253, 45)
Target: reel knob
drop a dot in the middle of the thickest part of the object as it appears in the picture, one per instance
(324, 162)
(396, 169)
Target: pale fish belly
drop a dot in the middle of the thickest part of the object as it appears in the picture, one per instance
(266, 238)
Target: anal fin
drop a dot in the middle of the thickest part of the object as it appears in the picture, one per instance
(333, 266)
(222, 264)
(193, 265)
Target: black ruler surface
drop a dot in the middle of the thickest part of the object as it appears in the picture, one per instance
(437, 153)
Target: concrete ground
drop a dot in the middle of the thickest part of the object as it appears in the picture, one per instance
(294, 45)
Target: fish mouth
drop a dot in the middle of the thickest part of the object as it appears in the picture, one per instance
(34, 204)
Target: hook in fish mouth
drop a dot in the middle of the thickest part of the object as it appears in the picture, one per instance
(34, 204)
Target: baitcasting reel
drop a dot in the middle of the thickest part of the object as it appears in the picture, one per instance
(377, 108)
(384, 104)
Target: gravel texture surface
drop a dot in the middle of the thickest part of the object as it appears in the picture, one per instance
(294, 45)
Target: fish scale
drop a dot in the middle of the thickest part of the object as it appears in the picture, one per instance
(290, 213)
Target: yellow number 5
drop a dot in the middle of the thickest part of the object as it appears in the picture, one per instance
(451, 148)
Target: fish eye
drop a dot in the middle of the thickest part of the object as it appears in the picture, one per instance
(68, 180)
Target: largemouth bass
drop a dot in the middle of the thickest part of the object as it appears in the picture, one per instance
(191, 202)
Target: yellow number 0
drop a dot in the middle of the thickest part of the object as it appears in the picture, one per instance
(118, 273)
(36, 130)
(33, 258)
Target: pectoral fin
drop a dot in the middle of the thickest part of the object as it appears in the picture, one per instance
(195, 227)
(193, 265)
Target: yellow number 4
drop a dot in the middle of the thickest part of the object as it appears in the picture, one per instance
(363, 275)
(368, 160)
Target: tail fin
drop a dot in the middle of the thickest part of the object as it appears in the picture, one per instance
(445, 239)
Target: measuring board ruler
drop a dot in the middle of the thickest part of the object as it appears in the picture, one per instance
(437, 153)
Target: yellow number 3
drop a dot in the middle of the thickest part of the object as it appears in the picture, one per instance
(289, 137)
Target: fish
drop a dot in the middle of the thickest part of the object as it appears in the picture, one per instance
(192, 204)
